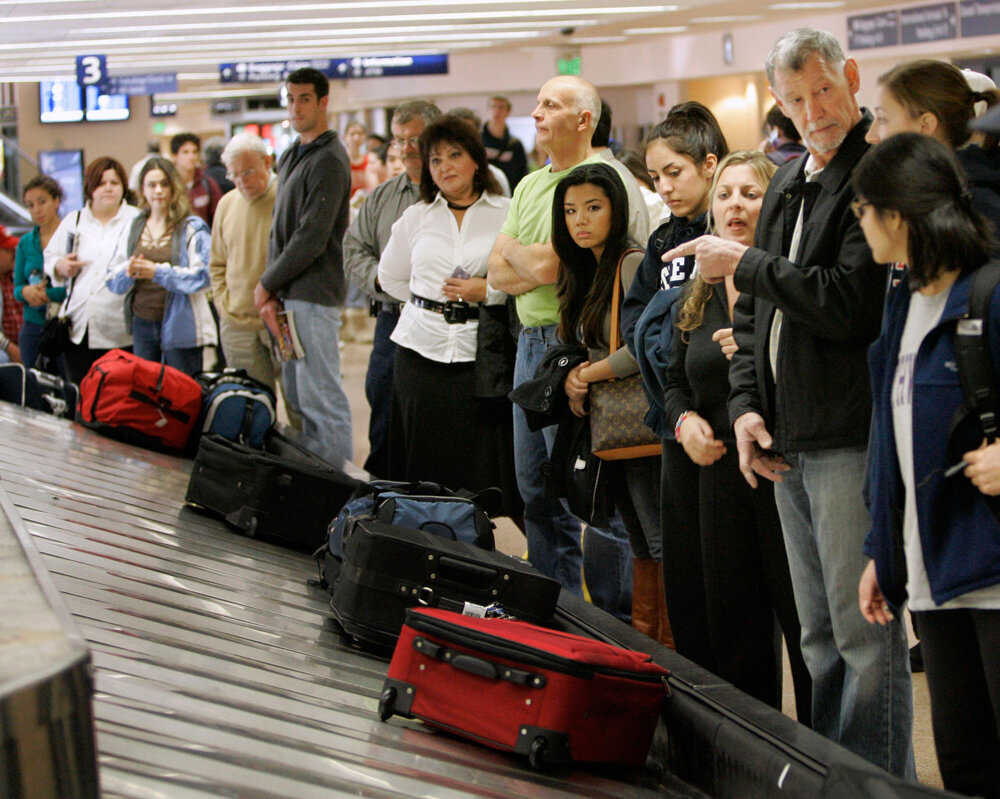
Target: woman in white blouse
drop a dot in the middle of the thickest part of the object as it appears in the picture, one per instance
(435, 262)
(88, 246)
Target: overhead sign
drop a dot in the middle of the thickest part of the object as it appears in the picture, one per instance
(91, 70)
(929, 23)
(980, 17)
(358, 67)
(152, 83)
(873, 30)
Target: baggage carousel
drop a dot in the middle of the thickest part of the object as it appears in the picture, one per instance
(216, 671)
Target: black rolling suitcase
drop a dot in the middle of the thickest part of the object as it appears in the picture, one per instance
(33, 388)
(387, 569)
(282, 491)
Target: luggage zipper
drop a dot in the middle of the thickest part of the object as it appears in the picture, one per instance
(511, 650)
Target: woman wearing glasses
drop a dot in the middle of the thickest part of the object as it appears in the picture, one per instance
(934, 542)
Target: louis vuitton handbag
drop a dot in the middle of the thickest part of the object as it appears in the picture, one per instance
(618, 406)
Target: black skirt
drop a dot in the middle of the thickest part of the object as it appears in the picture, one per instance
(440, 432)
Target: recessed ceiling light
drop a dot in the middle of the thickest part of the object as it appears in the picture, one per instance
(598, 39)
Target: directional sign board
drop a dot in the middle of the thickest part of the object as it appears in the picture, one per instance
(358, 67)
(92, 70)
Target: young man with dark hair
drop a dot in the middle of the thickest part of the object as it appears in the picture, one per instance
(503, 150)
(203, 192)
(305, 270)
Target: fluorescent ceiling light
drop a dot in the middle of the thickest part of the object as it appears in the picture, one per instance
(472, 27)
(645, 31)
(598, 39)
(283, 11)
(732, 18)
(804, 6)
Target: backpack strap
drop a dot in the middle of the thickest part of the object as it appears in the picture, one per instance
(972, 353)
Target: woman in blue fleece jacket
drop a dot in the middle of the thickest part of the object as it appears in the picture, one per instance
(166, 278)
(934, 542)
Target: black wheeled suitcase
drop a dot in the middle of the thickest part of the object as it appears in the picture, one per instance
(33, 388)
(281, 491)
(387, 569)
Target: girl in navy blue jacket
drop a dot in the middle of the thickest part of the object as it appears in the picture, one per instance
(934, 542)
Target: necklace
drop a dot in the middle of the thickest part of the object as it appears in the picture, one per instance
(456, 207)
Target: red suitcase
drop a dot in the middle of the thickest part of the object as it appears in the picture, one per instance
(550, 695)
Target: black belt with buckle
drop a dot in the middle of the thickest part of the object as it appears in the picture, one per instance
(455, 312)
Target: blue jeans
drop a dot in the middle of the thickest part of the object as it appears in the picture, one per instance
(861, 697)
(147, 343)
(313, 383)
(378, 391)
(553, 533)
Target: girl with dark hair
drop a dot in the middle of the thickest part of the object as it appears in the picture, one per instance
(590, 236)
(166, 278)
(86, 248)
(42, 196)
(747, 581)
(934, 542)
(934, 98)
(435, 262)
(682, 154)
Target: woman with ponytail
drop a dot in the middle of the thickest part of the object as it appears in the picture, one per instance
(934, 543)
(934, 98)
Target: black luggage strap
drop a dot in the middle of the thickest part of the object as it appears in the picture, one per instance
(163, 404)
(422, 591)
(975, 366)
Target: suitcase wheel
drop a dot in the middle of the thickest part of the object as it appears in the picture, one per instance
(250, 528)
(537, 754)
(386, 704)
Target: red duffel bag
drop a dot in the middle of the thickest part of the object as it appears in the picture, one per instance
(140, 402)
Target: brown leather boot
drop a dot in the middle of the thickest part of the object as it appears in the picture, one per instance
(664, 635)
(645, 616)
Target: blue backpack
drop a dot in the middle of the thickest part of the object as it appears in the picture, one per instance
(237, 407)
(455, 515)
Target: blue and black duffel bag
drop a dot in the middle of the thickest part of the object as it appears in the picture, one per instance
(237, 407)
(455, 515)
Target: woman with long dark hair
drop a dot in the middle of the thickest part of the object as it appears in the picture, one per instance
(166, 277)
(89, 245)
(934, 543)
(590, 236)
(435, 262)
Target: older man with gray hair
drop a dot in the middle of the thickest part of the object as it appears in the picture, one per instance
(524, 264)
(811, 303)
(239, 255)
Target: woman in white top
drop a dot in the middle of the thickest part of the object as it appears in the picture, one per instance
(435, 262)
(88, 246)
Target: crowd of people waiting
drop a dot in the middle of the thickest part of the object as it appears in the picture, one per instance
(768, 301)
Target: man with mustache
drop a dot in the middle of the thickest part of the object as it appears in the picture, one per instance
(811, 303)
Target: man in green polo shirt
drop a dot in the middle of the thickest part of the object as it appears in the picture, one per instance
(524, 264)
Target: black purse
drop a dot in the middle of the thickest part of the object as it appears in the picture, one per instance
(56, 332)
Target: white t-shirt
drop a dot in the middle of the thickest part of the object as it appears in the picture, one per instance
(924, 314)
(425, 248)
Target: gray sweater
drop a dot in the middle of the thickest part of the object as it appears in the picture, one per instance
(305, 257)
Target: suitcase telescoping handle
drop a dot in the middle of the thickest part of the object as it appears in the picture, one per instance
(477, 665)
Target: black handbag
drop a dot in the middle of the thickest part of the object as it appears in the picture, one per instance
(56, 332)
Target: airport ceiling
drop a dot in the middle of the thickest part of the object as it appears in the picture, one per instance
(41, 39)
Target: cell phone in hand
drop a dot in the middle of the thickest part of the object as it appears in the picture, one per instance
(72, 243)
(460, 273)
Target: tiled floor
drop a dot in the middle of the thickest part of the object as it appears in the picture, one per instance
(354, 359)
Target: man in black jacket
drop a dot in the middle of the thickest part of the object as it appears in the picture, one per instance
(305, 269)
(811, 304)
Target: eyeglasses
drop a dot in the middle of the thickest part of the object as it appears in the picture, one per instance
(413, 141)
(858, 207)
(242, 176)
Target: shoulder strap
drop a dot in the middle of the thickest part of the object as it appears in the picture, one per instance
(616, 298)
(972, 353)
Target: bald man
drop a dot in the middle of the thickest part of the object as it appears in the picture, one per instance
(524, 264)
